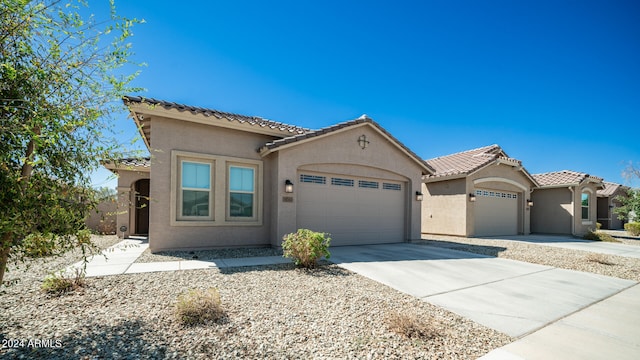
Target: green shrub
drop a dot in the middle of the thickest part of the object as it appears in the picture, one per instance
(306, 247)
(58, 284)
(37, 245)
(633, 228)
(599, 236)
(199, 306)
(410, 326)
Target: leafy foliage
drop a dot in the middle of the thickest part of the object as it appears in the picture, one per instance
(59, 86)
(306, 247)
(630, 204)
(199, 306)
(58, 284)
(633, 228)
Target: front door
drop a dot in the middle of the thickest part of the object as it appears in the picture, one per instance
(142, 207)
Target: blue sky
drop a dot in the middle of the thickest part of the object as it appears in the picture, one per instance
(555, 83)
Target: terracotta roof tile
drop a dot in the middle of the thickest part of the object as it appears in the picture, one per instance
(129, 162)
(466, 162)
(564, 177)
(610, 189)
(251, 120)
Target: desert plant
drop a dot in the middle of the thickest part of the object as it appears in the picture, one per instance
(37, 245)
(599, 236)
(61, 283)
(598, 226)
(633, 228)
(199, 306)
(600, 259)
(410, 326)
(305, 247)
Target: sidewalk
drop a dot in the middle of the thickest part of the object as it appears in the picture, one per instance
(120, 259)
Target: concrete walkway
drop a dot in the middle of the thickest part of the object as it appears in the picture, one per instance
(120, 259)
(568, 242)
(528, 301)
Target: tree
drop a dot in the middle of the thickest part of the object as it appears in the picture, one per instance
(630, 204)
(60, 83)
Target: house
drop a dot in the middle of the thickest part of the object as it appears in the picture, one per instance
(479, 192)
(607, 203)
(565, 202)
(217, 179)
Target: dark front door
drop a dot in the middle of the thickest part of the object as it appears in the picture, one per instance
(142, 207)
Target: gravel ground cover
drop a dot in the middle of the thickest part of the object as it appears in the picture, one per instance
(206, 255)
(609, 265)
(276, 312)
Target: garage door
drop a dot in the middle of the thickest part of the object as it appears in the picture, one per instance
(496, 213)
(353, 210)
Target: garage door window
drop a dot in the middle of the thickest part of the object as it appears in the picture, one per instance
(389, 186)
(313, 179)
(368, 184)
(341, 182)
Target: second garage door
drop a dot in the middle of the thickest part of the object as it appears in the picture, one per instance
(353, 210)
(496, 213)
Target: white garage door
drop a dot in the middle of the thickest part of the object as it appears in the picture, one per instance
(353, 210)
(496, 213)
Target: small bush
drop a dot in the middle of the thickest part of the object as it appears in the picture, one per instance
(600, 259)
(199, 306)
(598, 226)
(633, 228)
(37, 245)
(410, 326)
(306, 247)
(599, 236)
(58, 284)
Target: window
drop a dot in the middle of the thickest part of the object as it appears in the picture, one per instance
(241, 192)
(585, 206)
(313, 179)
(368, 184)
(341, 182)
(195, 190)
(389, 186)
(215, 190)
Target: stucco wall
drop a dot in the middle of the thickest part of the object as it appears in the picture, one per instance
(444, 207)
(103, 218)
(582, 226)
(168, 135)
(339, 153)
(552, 211)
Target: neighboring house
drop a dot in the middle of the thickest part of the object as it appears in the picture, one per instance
(218, 179)
(607, 203)
(565, 202)
(479, 192)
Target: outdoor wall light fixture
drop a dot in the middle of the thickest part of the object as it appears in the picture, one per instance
(363, 142)
(418, 196)
(288, 186)
(472, 197)
(529, 203)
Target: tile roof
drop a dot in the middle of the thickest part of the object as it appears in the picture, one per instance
(610, 189)
(242, 119)
(564, 177)
(129, 162)
(314, 133)
(466, 162)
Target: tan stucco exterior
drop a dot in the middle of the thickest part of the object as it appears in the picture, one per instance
(558, 210)
(180, 136)
(447, 208)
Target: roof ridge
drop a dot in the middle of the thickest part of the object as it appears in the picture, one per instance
(467, 151)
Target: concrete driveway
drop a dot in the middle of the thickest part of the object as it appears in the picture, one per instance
(569, 242)
(513, 297)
